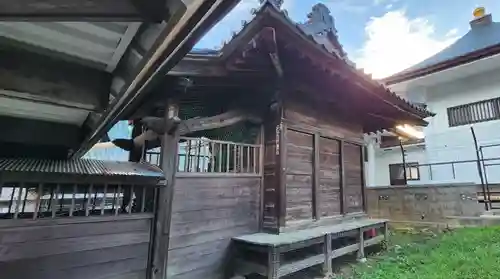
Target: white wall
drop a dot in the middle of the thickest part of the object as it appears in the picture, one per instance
(393, 156)
(444, 143)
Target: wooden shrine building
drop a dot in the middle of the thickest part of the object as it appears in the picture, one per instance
(263, 150)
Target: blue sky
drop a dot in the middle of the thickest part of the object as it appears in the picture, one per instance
(381, 36)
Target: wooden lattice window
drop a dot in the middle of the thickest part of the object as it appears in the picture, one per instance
(481, 111)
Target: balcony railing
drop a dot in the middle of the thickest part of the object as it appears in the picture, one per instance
(202, 155)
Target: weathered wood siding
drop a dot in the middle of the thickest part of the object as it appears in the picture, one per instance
(329, 197)
(271, 209)
(299, 175)
(324, 170)
(316, 118)
(353, 192)
(76, 248)
(207, 212)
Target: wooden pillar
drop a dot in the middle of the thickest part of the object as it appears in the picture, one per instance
(343, 209)
(316, 171)
(386, 233)
(169, 152)
(327, 267)
(273, 265)
(281, 170)
(361, 251)
(363, 179)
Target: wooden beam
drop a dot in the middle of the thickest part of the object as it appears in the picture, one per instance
(281, 143)
(84, 10)
(316, 170)
(363, 178)
(159, 125)
(164, 207)
(193, 65)
(187, 25)
(40, 78)
(342, 178)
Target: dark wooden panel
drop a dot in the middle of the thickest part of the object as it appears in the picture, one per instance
(302, 115)
(210, 272)
(35, 249)
(98, 271)
(299, 176)
(211, 236)
(74, 260)
(353, 192)
(330, 180)
(141, 274)
(45, 79)
(75, 248)
(40, 233)
(207, 213)
(271, 199)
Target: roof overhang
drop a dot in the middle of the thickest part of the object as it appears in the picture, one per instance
(483, 65)
(173, 44)
(445, 65)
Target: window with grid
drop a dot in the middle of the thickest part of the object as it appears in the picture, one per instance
(481, 111)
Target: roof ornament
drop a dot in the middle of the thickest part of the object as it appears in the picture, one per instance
(276, 3)
(320, 20)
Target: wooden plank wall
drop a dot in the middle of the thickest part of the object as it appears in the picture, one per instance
(353, 192)
(315, 193)
(76, 248)
(329, 197)
(270, 214)
(299, 176)
(207, 212)
(314, 118)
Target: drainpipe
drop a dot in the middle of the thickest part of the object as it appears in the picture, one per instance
(404, 161)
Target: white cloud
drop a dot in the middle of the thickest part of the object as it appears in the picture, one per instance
(232, 22)
(396, 42)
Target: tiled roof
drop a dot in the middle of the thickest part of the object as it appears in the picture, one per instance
(479, 37)
(318, 34)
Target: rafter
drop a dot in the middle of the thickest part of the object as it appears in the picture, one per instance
(192, 125)
(85, 10)
(158, 126)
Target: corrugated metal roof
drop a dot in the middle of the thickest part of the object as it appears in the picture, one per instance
(101, 43)
(80, 167)
(478, 37)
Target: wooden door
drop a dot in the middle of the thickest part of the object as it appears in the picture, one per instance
(329, 200)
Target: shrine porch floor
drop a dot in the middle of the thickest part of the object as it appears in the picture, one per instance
(274, 255)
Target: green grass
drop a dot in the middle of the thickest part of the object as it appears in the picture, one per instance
(460, 254)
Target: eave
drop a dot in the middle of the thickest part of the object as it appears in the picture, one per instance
(448, 64)
(328, 60)
(173, 44)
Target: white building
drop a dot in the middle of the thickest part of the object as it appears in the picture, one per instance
(461, 85)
